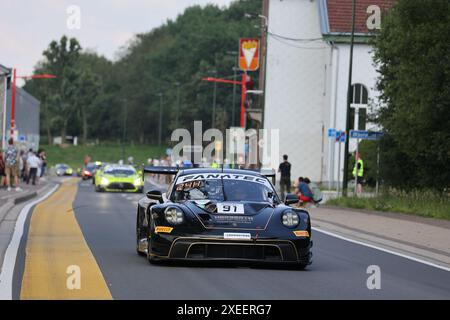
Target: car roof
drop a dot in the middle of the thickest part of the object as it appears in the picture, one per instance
(119, 166)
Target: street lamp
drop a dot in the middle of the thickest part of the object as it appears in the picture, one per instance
(14, 90)
(235, 70)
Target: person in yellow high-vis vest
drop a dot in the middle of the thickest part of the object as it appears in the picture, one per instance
(358, 170)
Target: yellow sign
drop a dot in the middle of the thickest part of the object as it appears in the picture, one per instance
(301, 233)
(163, 229)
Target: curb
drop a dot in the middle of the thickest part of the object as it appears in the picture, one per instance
(24, 197)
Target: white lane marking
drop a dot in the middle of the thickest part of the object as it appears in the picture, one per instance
(9, 262)
(382, 249)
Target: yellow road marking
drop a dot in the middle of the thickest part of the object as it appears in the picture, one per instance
(56, 244)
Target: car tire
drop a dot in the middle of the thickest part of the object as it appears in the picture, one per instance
(151, 259)
(301, 266)
(139, 234)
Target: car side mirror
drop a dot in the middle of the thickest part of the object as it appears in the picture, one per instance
(291, 199)
(155, 195)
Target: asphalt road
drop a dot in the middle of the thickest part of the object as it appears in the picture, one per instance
(107, 222)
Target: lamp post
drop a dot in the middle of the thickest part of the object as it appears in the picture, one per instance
(14, 92)
(243, 84)
(235, 70)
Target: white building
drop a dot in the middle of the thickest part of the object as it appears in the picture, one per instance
(307, 77)
(5, 74)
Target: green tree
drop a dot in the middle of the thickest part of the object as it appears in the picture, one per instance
(413, 55)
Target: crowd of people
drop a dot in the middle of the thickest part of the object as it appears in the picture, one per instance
(20, 165)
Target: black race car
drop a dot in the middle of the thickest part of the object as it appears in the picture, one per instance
(225, 215)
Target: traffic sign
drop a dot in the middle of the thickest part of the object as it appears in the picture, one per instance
(340, 136)
(366, 135)
(249, 54)
(331, 133)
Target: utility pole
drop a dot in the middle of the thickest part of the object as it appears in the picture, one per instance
(262, 73)
(349, 101)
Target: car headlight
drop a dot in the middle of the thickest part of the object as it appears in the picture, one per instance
(174, 215)
(104, 181)
(290, 219)
(137, 182)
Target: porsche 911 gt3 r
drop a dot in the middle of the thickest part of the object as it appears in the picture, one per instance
(118, 178)
(225, 215)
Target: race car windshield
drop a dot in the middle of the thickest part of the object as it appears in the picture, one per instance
(120, 172)
(231, 190)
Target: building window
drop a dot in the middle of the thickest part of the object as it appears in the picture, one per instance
(360, 95)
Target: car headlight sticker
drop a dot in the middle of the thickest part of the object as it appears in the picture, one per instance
(290, 219)
(174, 215)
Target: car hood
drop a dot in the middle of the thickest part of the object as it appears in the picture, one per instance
(256, 215)
(120, 178)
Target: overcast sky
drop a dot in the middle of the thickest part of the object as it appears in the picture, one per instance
(28, 26)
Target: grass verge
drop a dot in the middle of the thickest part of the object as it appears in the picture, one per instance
(74, 155)
(421, 203)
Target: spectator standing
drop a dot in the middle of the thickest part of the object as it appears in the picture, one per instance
(23, 169)
(33, 163)
(43, 158)
(285, 179)
(12, 165)
(358, 171)
(2, 172)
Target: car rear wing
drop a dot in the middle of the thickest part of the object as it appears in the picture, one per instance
(269, 173)
(174, 170)
(161, 170)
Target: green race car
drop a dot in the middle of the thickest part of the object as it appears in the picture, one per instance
(118, 178)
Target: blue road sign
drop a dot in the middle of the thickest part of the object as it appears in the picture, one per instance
(366, 135)
(331, 133)
(340, 136)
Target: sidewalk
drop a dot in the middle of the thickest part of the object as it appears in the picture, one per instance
(11, 204)
(423, 238)
(28, 192)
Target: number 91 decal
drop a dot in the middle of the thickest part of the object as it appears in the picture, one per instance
(230, 208)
